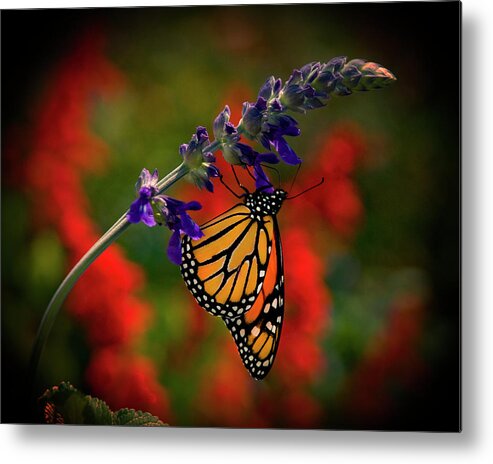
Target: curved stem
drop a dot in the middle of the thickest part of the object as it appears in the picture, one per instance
(73, 276)
(214, 146)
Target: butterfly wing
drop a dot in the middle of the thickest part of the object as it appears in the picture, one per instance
(225, 269)
(257, 332)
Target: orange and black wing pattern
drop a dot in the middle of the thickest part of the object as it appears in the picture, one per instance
(235, 271)
(257, 332)
(225, 269)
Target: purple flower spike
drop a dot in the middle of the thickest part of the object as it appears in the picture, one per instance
(308, 88)
(141, 209)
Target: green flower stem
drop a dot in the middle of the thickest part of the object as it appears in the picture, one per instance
(64, 289)
(214, 146)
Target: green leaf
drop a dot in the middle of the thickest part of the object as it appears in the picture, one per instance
(132, 417)
(64, 404)
(97, 411)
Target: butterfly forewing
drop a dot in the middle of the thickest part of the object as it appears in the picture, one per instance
(225, 269)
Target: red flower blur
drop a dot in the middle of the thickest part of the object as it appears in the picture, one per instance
(340, 153)
(127, 380)
(105, 300)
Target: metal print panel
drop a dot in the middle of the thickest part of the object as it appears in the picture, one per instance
(232, 216)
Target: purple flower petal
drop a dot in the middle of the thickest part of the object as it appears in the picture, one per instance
(336, 64)
(141, 210)
(252, 116)
(261, 104)
(264, 140)
(266, 89)
(220, 121)
(230, 129)
(277, 86)
(202, 135)
(183, 149)
(261, 180)
(147, 216)
(270, 158)
(208, 185)
(192, 206)
(276, 105)
(189, 227)
(213, 171)
(287, 154)
(134, 213)
(174, 247)
(154, 177)
(173, 204)
(288, 126)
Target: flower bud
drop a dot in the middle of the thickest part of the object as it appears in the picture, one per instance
(218, 127)
(252, 116)
(364, 75)
(198, 160)
(270, 89)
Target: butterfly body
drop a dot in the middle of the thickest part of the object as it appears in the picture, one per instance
(235, 271)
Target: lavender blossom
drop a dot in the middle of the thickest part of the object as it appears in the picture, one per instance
(173, 213)
(308, 88)
(141, 209)
(152, 209)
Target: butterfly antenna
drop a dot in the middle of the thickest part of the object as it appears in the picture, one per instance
(295, 176)
(306, 190)
(277, 172)
(238, 181)
(228, 187)
(249, 173)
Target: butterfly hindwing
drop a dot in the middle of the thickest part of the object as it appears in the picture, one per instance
(257, 332)
(225, 269)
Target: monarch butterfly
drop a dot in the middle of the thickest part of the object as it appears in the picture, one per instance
(235, 271)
